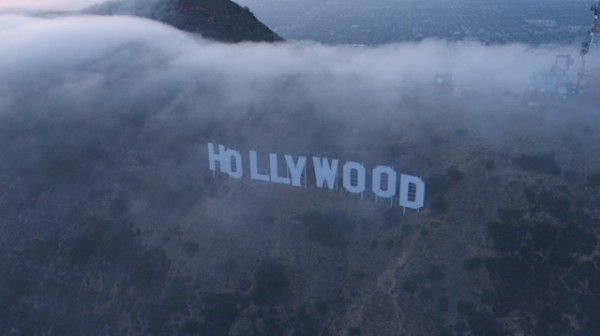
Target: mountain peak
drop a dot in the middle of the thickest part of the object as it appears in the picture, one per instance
(220, 20)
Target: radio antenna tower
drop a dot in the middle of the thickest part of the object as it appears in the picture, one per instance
(590, 45)
(594, 32)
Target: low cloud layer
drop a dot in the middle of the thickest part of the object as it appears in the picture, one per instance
(507, 67)
(115, 88)
(44, 5)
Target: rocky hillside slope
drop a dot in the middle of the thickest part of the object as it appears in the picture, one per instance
(221, 20)
(133, 235)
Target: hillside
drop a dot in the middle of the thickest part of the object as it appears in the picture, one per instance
(221, 20)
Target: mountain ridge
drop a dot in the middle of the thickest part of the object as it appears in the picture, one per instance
(221, 20)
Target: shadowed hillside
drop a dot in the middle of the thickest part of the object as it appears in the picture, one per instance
(221, 20)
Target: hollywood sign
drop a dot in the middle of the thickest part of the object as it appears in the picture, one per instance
(385, 182)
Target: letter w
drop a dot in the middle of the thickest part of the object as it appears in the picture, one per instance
(325, 173)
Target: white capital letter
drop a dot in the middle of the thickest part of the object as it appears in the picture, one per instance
(214, 157)
(296, 169)
(412, 192)
(275, 178)
(254, 174)
(325, 173)
(233, 164)
(361, 176)
(390, 188)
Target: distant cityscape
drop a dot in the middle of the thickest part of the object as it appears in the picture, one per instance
(386, 21)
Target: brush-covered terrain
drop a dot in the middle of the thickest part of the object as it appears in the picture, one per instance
(129, 232)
